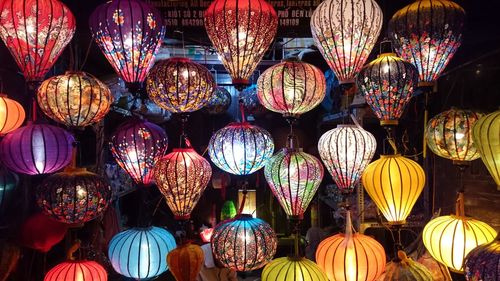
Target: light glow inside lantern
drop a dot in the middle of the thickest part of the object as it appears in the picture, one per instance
(77, 270)
(486, 135)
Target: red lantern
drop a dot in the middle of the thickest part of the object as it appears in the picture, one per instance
(77, 271)
(41, 233)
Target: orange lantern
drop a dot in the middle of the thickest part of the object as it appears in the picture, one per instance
(185, 262)
(11, 115)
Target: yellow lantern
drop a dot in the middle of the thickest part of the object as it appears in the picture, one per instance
(394, 183)
(291, 268)
(486, 135)
(11, 115)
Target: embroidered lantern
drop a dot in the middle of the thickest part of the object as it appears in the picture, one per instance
(220, 101)
(77, 270)
(185, 262)
(8, 183)
(11, 115)
(287, 268)
(486, 135)
(483, 263)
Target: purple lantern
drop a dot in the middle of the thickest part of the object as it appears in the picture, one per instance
(36, 149)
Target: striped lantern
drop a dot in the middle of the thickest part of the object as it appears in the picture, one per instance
(486, 135)
(288, 268)
(11, 115)
(77, 270)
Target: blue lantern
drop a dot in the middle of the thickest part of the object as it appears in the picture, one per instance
(141, 253)
(8, 182)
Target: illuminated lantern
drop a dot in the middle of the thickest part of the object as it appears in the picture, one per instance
(11, 115)
(287, 268)
(294, 177)
(394, 183)
(346, 151)
(240, 148)
(185, 262)
(404, 268)
(345, 32)
(8, 183)
(486, 135)
(129, 33)
(291, 88)
(206, 235)
(427, 33)
(75, 99)
(180, 85)
(137, 145)
(36, 149)
(140, 253)
(241, 31)
(387, 84)
(36, 32)
(450, 238)
(244, 243)
(220, 101)
(449, 135)
(251, 104)
(483, 263)
(228, 210)
(182, 176)
(77, 270)
(351, 256)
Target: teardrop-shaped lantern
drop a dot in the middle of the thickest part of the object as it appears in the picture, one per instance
(288, 269)
(483, 263)
(486, 135)
(185, 262)
(11, 115)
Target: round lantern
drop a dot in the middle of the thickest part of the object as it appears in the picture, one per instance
(77, 270)
(394, 183)
(140, 253)
(240, 148)
(241, 31)
(294, 177)
(75, 99)
(404, 268)
(291, 88)
(73, 196)
(486, 135)
(8, 182)
(182, 176)
(244, 243)
(449, 135)
(351, 256)
(220, 101)
(129, 33)
(427, 33)
(228, 210)
(287, 268)
(41, 232)
(387, 84)
(36, 149)
(137, 145)
(483, 263)
(180, 85)
(346, 151)
(11, 115)
(345, 32)
(185, 262)
(250, 101)
(36, 32)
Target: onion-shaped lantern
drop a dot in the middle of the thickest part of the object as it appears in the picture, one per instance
(486, 135)
(449, 135)
(345, 32)
(180, 85)
(36, 32)
(11, 115)
(287, 268)
(483, 263)
(137, 145)
(427, 33)
(140, 253)
(75, 99)
(8, 183)
(240, 148)
(351, 256)
(346, 151)
(129, 33)
(182, 176)
(244, 243)
(294, 177)
(185, 262)
(77, 270)
(73, 196)
(241, 31)
(220, 101)
(394, 183)
(387, 84)
(36, 149)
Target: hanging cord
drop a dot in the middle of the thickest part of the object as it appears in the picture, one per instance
(426, 119)
(243, 200)
(183, 139)
(460, 205)
(87, 53)
(242, 110)
(296, 233)
(390, 139)
(292, 140)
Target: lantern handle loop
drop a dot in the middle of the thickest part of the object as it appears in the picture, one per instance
(72, 250)
(460, 205)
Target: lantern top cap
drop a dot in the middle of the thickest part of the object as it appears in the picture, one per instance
(390, 155)
(346, 126)
(179, 59)
(186, 149)
(388, 54)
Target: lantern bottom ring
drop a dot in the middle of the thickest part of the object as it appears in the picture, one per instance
(389, 123)
(346, 81)
(425, 84)
(182, 218)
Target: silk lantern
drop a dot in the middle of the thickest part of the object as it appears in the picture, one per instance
(486, 135)
(41, 232)
(404, 268)
(185, 262)
(11, 115)
(287, 268)
(345, 32)
(219, 102)
(77, 270)
(8, 183)
(240, 31)
(483, 263)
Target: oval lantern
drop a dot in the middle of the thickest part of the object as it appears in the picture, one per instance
(345, 32)
(351, 256)
(182, 176)
(394, 183)
(185, 262)
(244, 243)
(36, 32)
(75, 99)
(220, 101)
(36, 149)
(140, 253)
(287, 268)
(483, 263)
(486, 135)
(404, 268)
(240, 31)
(8, 183)
(41, 232)
(136, 146)
(11, 115)
(77, 270)
(346, 151)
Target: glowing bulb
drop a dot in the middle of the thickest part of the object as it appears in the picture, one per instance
(459, 135)
(132, 155)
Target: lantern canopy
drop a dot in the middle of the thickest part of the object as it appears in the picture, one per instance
(36, 32)
(182, 176)
(486, 135)
(427, 33)
(287, 268)
(483, 263)
(129, 33)
(345, 32)
(241, 31)
(180, 85)
(81, 270)
(11, 115)
(346, 151)
(220, 101)
(185, 262)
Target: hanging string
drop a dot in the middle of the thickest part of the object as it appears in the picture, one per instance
(33, 110)
(426, 118)
(183, 139)
(460, 205)
(242, 111)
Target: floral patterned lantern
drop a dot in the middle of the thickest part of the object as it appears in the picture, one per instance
(220, 101)
(11, 115)
(486, 135)
(8, 183)
(35, 32)
(483, 263)
(137, 145)
(345, 32)
(241, 31)
(287, 268)
(129, 33)
(77, 270)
